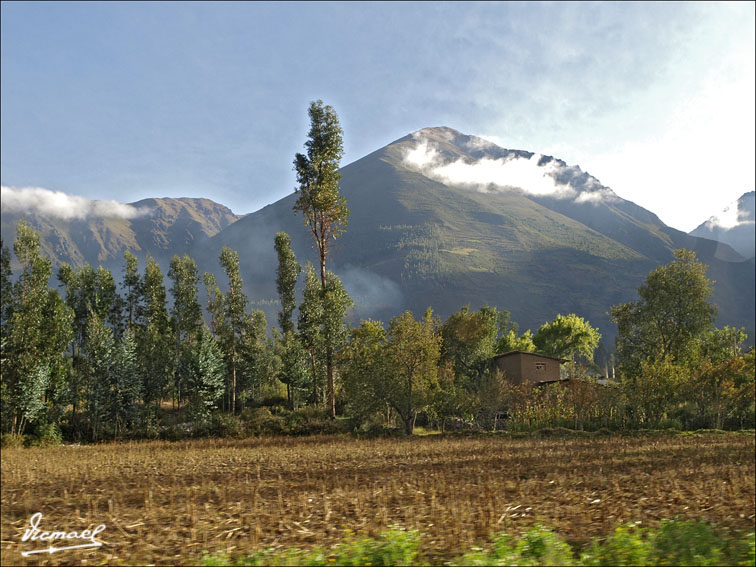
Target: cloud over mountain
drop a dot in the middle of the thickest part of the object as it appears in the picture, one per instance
(60, 205)
(535, 174)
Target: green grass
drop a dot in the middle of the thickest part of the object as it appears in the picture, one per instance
(674, 542)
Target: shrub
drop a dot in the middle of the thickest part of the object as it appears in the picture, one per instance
(393, 547)
(225, 425)
(8, 440)
(539, 546)
(48, 435)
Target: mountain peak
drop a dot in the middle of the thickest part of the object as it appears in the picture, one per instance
(456, 159)
(734, 225)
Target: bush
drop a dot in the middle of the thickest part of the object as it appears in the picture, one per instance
(394, 547)
(225, 425)
(8, 440)
(539, 546)
(48, 435)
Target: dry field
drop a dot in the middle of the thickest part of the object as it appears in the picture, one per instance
(167, 503)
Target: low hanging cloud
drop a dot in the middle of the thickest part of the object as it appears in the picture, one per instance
(741, 212)
(534, 175)
(57, 204)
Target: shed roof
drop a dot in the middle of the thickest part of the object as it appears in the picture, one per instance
(511, 352)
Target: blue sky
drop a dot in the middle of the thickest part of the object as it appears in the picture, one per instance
(131, 100)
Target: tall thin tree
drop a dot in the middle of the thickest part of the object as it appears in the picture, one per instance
(323, 207)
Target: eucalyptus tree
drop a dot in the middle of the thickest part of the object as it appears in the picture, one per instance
(154, 341)
(206, 377)
(36, 335)
(234, 310)
(286, 280)
(324, 209)
(322, 327)
(293, 371)
(132, 281)
(186, 317)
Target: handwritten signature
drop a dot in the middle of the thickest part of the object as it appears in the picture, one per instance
(34, 533)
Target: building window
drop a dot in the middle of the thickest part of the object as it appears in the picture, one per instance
(540, 365)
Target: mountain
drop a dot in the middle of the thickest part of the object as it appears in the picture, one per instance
(439, 219)
(733, 226)
(442, 219)
(159, 227)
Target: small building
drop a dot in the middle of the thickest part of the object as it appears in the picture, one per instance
(528, 367)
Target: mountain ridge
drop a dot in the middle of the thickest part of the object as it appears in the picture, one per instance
(443, 219)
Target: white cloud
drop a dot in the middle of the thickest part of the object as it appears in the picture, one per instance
(513, 172)
(57, 204)
(734, 214)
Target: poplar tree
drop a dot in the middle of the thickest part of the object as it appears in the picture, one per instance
(37, 334)
(286, 280)
(134, 292)
(324, 209)
(186, 317)
(206, 377)
(100, 364)
(155, 340)
(234, 309)
(6, 288)
(293, 370)
(309, 326)
(127, 384)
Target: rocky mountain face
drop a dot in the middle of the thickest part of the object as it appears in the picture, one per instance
(734, 226)
(438, 219)
(159, 227)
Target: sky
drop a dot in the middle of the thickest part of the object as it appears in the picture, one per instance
(124, 101)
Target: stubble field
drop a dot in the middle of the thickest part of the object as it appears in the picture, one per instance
(170, 503)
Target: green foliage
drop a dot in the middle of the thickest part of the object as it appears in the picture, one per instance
(205, 379)
(186, 319)
(48, 435)
(127, 385)
(294, 370)
(323, 207)
(675, 542)
(469, 341)
(286, 279)
(398, 368)
(36, 333)
(669, 318)
(363, 370)
(321, 324)
(509, 341)
(568, 337)
(155, 343)
(309, 327)
(538, 546)
(100, 365)
(393, 547)
(133, 284)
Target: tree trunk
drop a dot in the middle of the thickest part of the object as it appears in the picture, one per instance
(331, 398)
(233, 391)
(409, 424)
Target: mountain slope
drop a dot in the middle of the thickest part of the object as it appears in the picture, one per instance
(734, 226)
(442, 219)
(161, 227)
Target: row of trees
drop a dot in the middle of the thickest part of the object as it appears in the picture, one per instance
(101, 363)
(101, 360)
